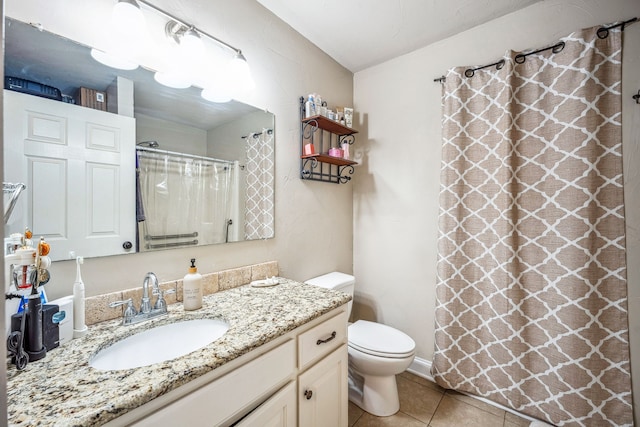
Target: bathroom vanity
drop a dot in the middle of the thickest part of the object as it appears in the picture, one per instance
(283, 361)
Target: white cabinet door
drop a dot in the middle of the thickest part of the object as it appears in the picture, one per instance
(79, 168)
(322, 392)
(278, 411)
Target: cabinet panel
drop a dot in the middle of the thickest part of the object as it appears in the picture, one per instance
(322, 392)
(278, 411)
(227, 397)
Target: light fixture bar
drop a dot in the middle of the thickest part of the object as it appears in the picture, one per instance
(180, 21)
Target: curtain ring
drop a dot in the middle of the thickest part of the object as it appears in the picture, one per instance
(602, 33)
(557, 48)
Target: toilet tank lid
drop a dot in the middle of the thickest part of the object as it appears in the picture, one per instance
(334, 280)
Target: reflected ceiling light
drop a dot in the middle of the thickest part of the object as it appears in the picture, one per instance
(216, 94)
(113, 61)
(172, 78)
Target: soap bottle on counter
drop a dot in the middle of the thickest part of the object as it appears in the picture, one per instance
(192, 288)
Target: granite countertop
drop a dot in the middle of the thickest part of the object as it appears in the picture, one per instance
(62, 389)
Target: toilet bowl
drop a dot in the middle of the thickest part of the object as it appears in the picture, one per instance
(377, 353)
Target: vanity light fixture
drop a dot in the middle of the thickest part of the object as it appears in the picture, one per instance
(187, 38)
(241, 73)
(128, 21)
(127, 15)
(180, 61)
(237, 77)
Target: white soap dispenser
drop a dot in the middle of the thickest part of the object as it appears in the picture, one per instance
(79, 327)
(192, 288)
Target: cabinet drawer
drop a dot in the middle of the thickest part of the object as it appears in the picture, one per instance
(321, 340)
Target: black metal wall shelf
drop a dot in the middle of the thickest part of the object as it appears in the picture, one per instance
(324, 134)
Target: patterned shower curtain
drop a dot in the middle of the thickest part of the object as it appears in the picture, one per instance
(260, 173)
(531, 294)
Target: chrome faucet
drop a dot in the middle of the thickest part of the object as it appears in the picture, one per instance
(131, 316)
(145, 305)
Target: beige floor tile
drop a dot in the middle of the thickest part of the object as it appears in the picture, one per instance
(455, 413)
(397, 420)
(354, 413)
(477, 403)
(420, 380)
(417, 400)
(515, 421)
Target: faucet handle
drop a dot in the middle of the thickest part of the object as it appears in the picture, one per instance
(160, 302)
(129, 312)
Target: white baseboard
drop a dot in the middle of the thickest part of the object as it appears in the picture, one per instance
(421, 368)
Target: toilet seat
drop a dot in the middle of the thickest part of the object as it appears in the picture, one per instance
(380, 340)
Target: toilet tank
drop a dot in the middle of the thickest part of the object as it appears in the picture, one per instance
(338, 282)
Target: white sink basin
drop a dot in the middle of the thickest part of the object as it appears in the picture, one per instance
(158, 344)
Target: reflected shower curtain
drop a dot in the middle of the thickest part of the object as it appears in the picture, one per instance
(185, 200)
(260, 173)
(531, 307)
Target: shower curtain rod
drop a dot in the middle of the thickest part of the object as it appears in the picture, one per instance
(602, 33)
(183, 155)
(256, 134)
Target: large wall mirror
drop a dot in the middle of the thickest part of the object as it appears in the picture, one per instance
(160, 168)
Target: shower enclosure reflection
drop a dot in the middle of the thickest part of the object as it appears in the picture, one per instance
(184, 200)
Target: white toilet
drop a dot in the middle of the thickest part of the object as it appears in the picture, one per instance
(377, 353)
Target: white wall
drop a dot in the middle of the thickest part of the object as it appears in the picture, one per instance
(284, 66)
(171, 136)
(396, 187)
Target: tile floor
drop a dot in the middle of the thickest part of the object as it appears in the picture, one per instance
(423, 403)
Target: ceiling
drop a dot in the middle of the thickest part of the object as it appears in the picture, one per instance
(361, 33)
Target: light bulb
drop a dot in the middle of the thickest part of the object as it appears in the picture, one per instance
(127, 16)
(191, 44)
(240, 74)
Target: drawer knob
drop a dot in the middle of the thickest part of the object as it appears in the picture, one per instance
(333, 335)
(308, 394)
